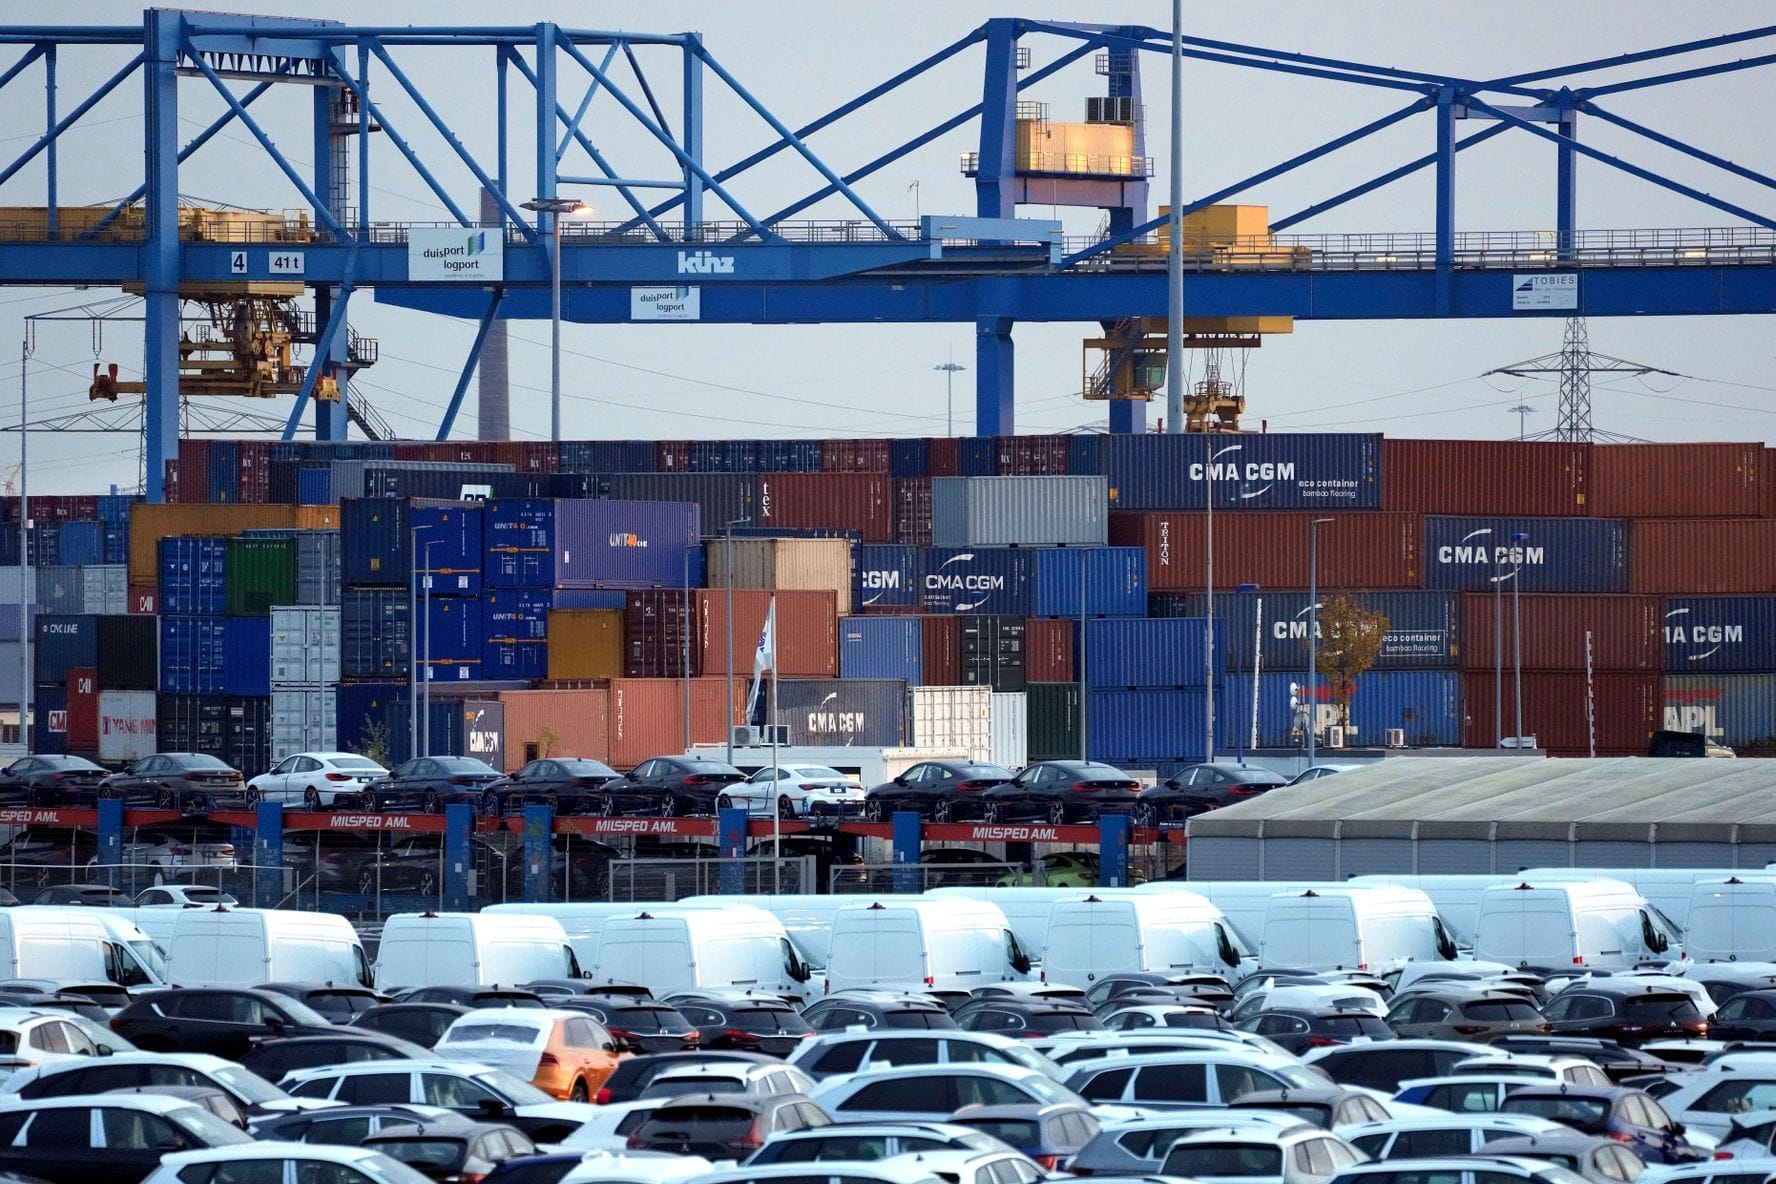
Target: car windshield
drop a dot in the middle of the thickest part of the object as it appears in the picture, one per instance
(1018, 1132)
(769, 1019)
(1067, 1021)
(1353, 1025)
(1017, 1054)
(1661, 1007)
(988, 771)
(1560, 1108)
(1305, 1111)
(195, 1120)
(1224, 1159)
(678, 1087)
(301, 1012)
(198, 761)
(919, 1018)
(1251, 776)
(519, 1093)
(198, 894)
(586, 769)
(1048, 1090)
(500, 1030)
(819, 773)
(462, 764)
(649, 1019)
(364, 764)
(248, 1086)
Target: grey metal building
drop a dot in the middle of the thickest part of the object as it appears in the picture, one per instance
(1491, 815)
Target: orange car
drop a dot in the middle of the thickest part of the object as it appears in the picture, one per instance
(566, 1054)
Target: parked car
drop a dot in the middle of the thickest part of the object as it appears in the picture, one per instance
(1599, 1160)
(475, 1091)
(633, 1074)
(870, 1141)
(53, 1139)
(869, 1010)
(283, 1161)
(1749, 1015)
(1416, 1136)
(725, 1126)
(450, 1151)
(943, 791)
(1058, 869)
(800, 791)
(1197, 789)
(1616, 1060)
(420, 1023)
(189, 782)
(1616, 1111)
(429, 783)
(1319, 772)
(1330, 1108)
(674, 785)
(1116, 984)
(346, 1126)
(1050, 1134)
(127, 1070)
(931, 1093)
(94, 895)
(1187, 1079)
(1386, 1065)
(748, 1023)
(1712, 1099)
(1299, 1155)
(1479, 1016)
(29, 1037)
(223, 1022)
(162, 855)
(339, 1003)
(1297, 1029)
(727, 1077)
(1061, 791)
(1620, 1009)
(1460, 1169)
(569, 785)
(832, 1053)
(275, 1060)
(184, 896)
(314, 780)
(51, 780)
(494, 996)
(638, 1025)
(1177, 1016)
(1025, 1017)
(1136, 1147)
(565, 1054)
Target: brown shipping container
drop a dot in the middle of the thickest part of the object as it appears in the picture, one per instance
(912, 511)
(940, 651)
(556, 723)
(860, 502)
(150, 523)
(253, 460)
(1486, 477)
(1357, 551)
(815, 564)
(1628, 709)
(944, 458)
(1627, 632)
(1767, 482)
(1033, 456)
(807, 631)
(647, 716)
(1048, 650)
(1677, 480)
(1701, 557)
(585, 643)
(657, 635)
(854, 456)
(672, 456)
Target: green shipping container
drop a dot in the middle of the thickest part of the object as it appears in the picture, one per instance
(261, 573)
(1053, 714)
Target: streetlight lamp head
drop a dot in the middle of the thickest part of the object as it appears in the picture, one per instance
(1322, 521)
(555, 205)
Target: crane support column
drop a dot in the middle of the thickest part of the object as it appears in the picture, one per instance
(994, 399)
(693, 134)
(1445, 261)
(160, 249)
(330, 419)
(1566, 196)
(1129, 416)
(995, 185)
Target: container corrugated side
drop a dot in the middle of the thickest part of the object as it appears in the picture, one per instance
(1627, 710)
(954, 719)
(1486, 477)
(1377, 550)
(1709, 633)
(1115, 582)
(880, 647)
(863, 713)
(1243, 472)
(1677, 480)
(261, 573)
(149, 523)
(193, 575)
(885, 578)
(940, 651)
(1704, 557)
(1626, 632)
(1147, 652)
(1738, 710)
(303, 719)
(1053, 719)
(1018, 511)
(647, 716)
(861, 503)
(375, 632)
(1011, 730)
(807, 564)
(719, 497)
(1049, 656)
(1426, 705)
(304, 644)
(625, 544)
(972, 580)
(1422, 631)
(128, 652)
(585, 644)
(127, 721)
(1553, 554)
(807, 631)
(565, 723)
(64, 642)
(1145, 727)
(382, 538)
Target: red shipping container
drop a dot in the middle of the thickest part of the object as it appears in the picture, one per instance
(1033, 456)
(672, 456)
(1546, 479)
(194, 460)
(1048, 650)
(1357, 551)
(1627, 708)
(1767, 482)
(860, 502)
(1702, 557)
(83, 709)
(944, 459)
(646, 716)
(144, 599)
(912, 511)
(1627, 632)
(940, 651)
(807, 631)
(656, 634)
(169, 485)
(854, 456)
(1677, 480)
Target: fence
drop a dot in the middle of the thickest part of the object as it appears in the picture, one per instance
(675, 879)
(917, 877)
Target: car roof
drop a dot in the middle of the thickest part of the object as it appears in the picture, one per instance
(328, 1152)
(1528, 1123)
(191, 1060)
(992, 1068)
(153, 1103)
(899, 1169)
(1022, 1110)
(1243, 1054)
(353, 1068)
(1331, 1094)
(1448, 1163)
(946, 1129)
(1242, 1133)
(1567, 1140)
(1568, 1090)
(1206, 1119)
(485, 1015)
(716, 1069)
(1410, 1044)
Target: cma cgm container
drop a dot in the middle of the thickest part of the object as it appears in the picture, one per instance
(1486, 477)
(885, 577)
(858, 503)
(1421, 633)
(193, 575)
(1625, 631)
(381, 535)
(1626, 708)
(1705, 557)
(1738, 710)
(864, 713)
(1425, 705)
(1677, 480)
(1710, 633)
(1147, 652)
(1245, 472)
(881, 647)
(1037, 582)
(1553, 554)
(1145, 727)
(591, 544)
(1368, 551)
(1018, 511)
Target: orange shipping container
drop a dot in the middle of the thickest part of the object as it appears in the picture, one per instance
(1627, 632)
(807, 631)
(647, 716)
(585, 643)
(556, 723)
(1677, 480)
(1367, 551)
(149, 523)
(1540, 479)
(1702, 557)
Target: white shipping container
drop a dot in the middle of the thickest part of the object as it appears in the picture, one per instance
(12, 580)
(1011, 730)
(107, 588)
(302, 720)
(1019, 511)
(304, 644)
(126, 726)
(959, 718)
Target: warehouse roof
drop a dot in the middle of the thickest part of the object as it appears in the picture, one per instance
(1634, 799)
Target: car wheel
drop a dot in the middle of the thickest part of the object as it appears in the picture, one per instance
(872, 810)
(607, 806)
(252, 795)
(165, 799)
(944, 811)
(429, 804)
(366, 881)
(724, 802)
(428, 883)
(490, 804)
(993, 812)
(579, 1093)
(669, 806)
(1144, 814)
(311, 798)
(785, 808)
(1057, 813)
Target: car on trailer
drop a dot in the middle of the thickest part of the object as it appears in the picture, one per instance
(189, 782)
(426, 784)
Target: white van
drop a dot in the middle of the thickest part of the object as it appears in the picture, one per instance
(1374, 929)
(1457, 896)
(807, 918)
(1666, 889)
(1026, 909)
(1732, 919)
(241, 947)
(122, 927)
(471, 949)
(1177, 933)
(1242, 902)
(583, 921)
(668, 949)
(917, 945)
(1600, 923)
(67, 942)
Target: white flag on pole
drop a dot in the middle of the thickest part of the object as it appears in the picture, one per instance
(764, 658)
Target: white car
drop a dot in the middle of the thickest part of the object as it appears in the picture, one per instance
(286, 1161)
(1712, 1098)
(609, 1128)
(1066, 1048)
(1308, 996)
(1244, 1155)
(633, 1167)
(183, 896)
(975, 1167)
(726, 1077)
(1446, 1134)
(126, 1069)
(931, 1093)
(1172, 1016)
(1571, 1070)
(803, 790)
(830, 1054)
(157, 857)
(311, 780)
(32, 1037)
(904, 1170)
(467, 1089)
(1718, 1171)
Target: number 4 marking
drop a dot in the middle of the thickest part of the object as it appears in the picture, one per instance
(237, 262)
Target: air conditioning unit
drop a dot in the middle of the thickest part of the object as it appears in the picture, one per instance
(1335, 736)
(745, 737)
(1109, 109)
(1396, 738)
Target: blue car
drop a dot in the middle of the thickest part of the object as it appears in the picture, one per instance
(1617, 1112)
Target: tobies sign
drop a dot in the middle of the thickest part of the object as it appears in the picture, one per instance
(459, 254)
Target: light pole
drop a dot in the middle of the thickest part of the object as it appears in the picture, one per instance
(1517, 541)
(1175, 242)
(950, 369)
(1313, 633)
(1498, 650)
(555, 207)
(1257, 640)
(728, 557)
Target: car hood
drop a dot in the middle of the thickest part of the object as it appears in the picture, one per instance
(580, 1112)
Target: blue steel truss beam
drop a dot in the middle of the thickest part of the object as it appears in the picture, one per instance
(1387, 178)
(573, 125)
(360, 87)
(1658, 137)
(471, 362)
(1678, 76)
(1645, 55)
(70, 119)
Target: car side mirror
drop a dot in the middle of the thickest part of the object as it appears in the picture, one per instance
(169, 1145)
(494, 1108)
(608, 1046)
(1679, 1129)
(103, 1050)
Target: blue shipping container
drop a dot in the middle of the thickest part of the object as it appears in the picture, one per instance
(976, 580)
(1738, 710)
(501, 659)
(374, 632)
(314, 485)
(607, 456)
(379, 535)
(881, 647)
(1085, 455)
(1708, 633)
(1142, 728)
(193, 576)
(1422, 632)
(115, 507)
(1131, 652)
(865, 713)
(1553, 555)
(246, 662)
(366, 710)
(790, 456)
(49, 720)
(977, 456)
(590, 544)
(1115, 581)
(1424, 704)
(83, 543)
(452, 630)
(65, 641)
(909, 458)
(885, 576)
(516, 614)
(224, 474)
(1244, 472)
(215, 655)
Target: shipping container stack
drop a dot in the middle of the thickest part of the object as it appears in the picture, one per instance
(304, 658)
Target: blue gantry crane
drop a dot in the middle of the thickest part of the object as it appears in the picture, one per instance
(695, 244)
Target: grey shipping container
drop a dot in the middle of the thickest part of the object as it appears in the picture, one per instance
(859, 712)
(1019, 511)
(96, 589)
(720, 497)
(304, 644)
(12, 673)
(1738, 710)
(302, 720)
(374, 633)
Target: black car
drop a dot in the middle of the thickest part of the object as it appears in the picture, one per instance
(368, 864)
(1624, 1012)
(97, 895)
(1385, 1065)
(1298, 1029)
(876, 1009)
(1197, 789)
(347, 1126)
(1025, 1017)
(744, 1022)
(1188, 995)
(189, 782)
(633, 1074)
(943, 791)
(341, 1004)
(672, 785)
(1112, 986)
(1061, 791)
(222, 1022)
(1617, 1061)
(50, 781)
(724, 1126)
(427, 784)
(452, 1151)
(473, 996)
(65, 1079)
(1749, 1015)
(419, 1023)
(637, 1025)
(53, 1143)
(572, 785)
(275, 1059)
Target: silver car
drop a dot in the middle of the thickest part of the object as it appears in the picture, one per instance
(311, 780)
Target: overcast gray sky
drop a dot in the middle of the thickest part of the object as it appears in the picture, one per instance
(800, 59)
